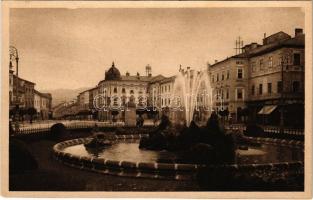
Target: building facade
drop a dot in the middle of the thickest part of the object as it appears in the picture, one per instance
(229, 82)
(42, 104)
(276, 80)
(23, 97)
(265, 80)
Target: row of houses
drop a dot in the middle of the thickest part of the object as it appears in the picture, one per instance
(23, 97)
(264, 81)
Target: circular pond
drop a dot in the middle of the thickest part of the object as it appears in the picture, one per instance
(129, 151)
(124, 158)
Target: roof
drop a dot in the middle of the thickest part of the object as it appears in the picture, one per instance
(139, 78)
(24, 80)
(292, 42)
(46, 95)
(113, 73)
(297, 42)
(169, 79)
(136, 78)
(239, 56)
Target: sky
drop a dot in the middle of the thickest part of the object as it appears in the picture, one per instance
(72, 48)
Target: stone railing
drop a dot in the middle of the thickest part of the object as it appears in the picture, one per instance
(176, 171)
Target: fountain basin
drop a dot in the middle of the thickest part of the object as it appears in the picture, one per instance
(168, 169)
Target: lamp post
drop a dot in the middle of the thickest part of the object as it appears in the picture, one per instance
(14, 55)
(284, 63)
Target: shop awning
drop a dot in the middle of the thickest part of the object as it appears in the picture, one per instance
(266, 110)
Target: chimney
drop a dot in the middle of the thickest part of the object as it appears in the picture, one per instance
(264, 39)
(150, 75)
(138, 75)
(127, 73)
(298, 31)
(215, 61)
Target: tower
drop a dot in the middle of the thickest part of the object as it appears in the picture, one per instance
(148, 70)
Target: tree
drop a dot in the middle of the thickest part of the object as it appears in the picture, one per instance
(31, 112)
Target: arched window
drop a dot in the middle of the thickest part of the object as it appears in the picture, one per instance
(115, 90)
(131, 91)
(123, 90)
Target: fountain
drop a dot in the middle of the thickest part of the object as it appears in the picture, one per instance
(180, 149)
(192, 90)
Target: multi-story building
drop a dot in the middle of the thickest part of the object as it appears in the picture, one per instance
(22, 93)
(229, 82)
(42, 104)
(276, 79)
(266, 80)
(116, 90)
(166, 91)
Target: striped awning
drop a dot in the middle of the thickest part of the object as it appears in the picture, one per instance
(266, 110)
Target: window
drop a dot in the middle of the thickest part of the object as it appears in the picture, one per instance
(115, 90)
(280, 60)
(212, 78)
(227, 93)
(222, 76)
(227, 77)
(296, 86)
(253, 90)
(253, 67)
(217, 77)
(279, 87)
(239, 73)
(222, 94)
(269, 88)
(239, 62)
(123, 90)
(261, 64)
(296, 59)
(239, 93)
(131, 91)
(260, 88)
(270, 62)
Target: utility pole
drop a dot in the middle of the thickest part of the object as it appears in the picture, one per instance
(284, 62)
(14, 54)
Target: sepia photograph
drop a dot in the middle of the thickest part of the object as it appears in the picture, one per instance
(181, 97)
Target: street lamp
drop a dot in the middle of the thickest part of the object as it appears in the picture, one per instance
(285, 58)
(14, 55)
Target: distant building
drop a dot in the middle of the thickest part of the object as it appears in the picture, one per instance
(119, 90)
(42, 104)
